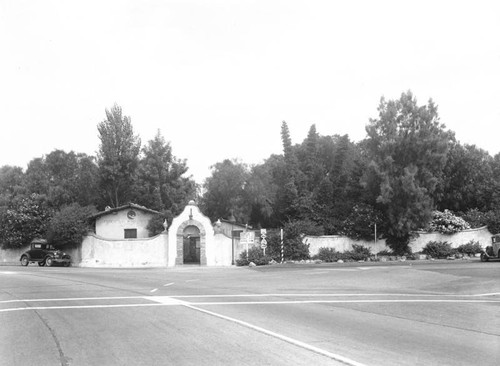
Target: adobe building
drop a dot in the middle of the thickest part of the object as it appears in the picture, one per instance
(121, 240)
(125, 222)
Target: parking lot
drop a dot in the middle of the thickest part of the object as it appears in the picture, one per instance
(404, 313)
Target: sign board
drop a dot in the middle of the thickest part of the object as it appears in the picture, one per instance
(247, 237)
(263, 243)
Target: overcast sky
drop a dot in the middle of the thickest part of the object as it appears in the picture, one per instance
(218, 77)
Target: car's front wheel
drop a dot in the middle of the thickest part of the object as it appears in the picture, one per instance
(25, 261)
(484, 257)
(48, 261)
(41, 264)
(66, 264)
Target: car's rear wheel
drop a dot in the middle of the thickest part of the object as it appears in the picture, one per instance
(48, 262)
(484, 257)
(25, 261)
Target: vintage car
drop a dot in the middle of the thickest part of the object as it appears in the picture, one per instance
(492, 251)
(44, 254)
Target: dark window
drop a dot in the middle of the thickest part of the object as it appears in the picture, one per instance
(130, 233)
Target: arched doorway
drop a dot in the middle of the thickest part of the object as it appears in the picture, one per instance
(191, 245)
(187, 230)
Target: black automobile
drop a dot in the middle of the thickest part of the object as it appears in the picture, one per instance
(44, 254)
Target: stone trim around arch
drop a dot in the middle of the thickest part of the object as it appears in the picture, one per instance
(179, 260)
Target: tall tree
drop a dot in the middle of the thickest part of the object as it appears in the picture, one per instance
(408, 145)
(118, 156)
(468, 179)
(225, 193)
(161, 182)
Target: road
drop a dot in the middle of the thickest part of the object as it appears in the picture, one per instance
(411, 313)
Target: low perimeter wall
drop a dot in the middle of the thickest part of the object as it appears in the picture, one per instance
(343, 244)
(99, 252)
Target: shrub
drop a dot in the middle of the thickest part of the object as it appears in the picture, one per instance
(255, 255)
(438, 249)
(447, 223)
(293, 233)
(68, 226)
(328, 255)
(470, 248)
(385, 252)
(358, 253)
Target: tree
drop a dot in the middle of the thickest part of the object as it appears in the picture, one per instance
(468, 179)
(118, 156)
(161, 184)
(408, 145)
(225, 193)
(69, 225)
(11, 183)
(64, 178)
(23, 221)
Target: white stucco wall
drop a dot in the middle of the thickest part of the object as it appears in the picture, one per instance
(12, 256)
(222, 250)
(191, 212)
(342, 243)
(100, 252)
(112, 225)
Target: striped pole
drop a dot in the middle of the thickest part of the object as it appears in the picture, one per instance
(282, 251)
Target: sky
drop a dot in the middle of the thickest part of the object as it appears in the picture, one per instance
(217, 78)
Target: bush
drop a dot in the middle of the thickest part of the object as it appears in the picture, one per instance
(438, 249)
(385, 252)
(358, 253)
(68, 226)
(470, 248)
(447, 223)
(328, 255)
(255, 255)
(293, 233)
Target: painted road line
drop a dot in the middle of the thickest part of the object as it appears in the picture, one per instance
(154, 290)
(192, 280)
(333, 295)
(72, 299)
(83, 307)
(168, 284)
(295, 302)
(171, 301)
(282, 337)
(250, 296)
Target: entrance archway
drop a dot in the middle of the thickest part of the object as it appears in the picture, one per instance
(191, 245)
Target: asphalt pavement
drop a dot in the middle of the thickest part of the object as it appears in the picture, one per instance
(405, 313)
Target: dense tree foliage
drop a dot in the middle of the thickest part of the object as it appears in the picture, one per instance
(406, 168)
(24, 220)
(161, 184)
(408, 146)
(69, 225)
(225, 194)
(118, 156)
